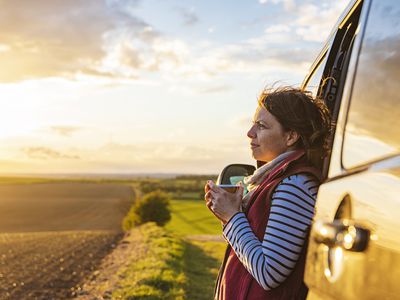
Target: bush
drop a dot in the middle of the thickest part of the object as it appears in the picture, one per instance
(153, 207)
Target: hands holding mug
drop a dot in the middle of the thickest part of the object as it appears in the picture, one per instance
(223, 201)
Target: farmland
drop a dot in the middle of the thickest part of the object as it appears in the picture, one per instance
(53, 235)
(62, 238)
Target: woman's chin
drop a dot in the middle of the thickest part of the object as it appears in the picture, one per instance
(254, 154)
(257, 156)
(260, 158)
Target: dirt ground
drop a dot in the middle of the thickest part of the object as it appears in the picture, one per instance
(63, 206)
(53, 236)
(100, 284)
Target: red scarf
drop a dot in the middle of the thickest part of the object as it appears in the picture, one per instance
(234, 281)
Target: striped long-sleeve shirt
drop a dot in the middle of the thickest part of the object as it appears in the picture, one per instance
(271, 261)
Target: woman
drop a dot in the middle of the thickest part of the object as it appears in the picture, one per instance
(267, 230)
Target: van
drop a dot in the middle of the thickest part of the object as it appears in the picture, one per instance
(354, 245)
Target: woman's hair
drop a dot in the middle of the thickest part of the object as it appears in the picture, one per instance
(299, 111)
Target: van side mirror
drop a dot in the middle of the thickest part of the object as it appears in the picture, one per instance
(234, 173)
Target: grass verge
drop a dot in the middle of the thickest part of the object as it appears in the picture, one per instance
(201, 264)
(174, 265)
(157, 275)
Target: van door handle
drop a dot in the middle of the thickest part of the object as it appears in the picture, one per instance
(341, 233)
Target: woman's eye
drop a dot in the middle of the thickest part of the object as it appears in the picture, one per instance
(261, 126)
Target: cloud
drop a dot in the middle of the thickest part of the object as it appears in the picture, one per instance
(74, 39)
(311, 22)
(106, 39)
(288, 4)
(288, 45)
(291, 42)
(278, 28)
(264, 54)
(65, 131)
(189, 16)
(130, 53)
(44, 153)
(314, 22)
(58, 38)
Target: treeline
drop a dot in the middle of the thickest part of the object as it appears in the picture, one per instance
(185, 184)
(197, 177)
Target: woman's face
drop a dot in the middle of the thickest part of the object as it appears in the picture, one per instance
(268, 137)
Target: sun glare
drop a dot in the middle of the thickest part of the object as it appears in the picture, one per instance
(16, 117)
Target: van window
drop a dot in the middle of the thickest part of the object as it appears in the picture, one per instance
(372, 130)
(314, 81)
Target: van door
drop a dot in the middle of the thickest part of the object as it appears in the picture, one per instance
(354, 249)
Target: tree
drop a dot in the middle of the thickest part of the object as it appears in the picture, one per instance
(153, 207)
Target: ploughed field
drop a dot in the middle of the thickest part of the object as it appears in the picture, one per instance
(54, 235)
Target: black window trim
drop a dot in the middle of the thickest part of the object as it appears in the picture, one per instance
(317, 63)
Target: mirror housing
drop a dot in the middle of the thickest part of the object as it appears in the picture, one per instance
(234, 173)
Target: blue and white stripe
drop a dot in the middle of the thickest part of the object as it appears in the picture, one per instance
(271, 261)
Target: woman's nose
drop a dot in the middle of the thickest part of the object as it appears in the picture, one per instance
(251, 133)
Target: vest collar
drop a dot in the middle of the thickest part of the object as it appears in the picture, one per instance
(282, 167)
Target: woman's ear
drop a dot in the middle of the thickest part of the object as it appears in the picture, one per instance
(292, 138)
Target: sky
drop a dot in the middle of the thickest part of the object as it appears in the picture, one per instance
(145, 86)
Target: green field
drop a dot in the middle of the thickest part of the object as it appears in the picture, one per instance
(192, 217)
(202, 258)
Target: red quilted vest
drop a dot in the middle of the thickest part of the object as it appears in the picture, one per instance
(234, 281)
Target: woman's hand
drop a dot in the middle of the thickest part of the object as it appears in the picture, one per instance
(224, 205)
